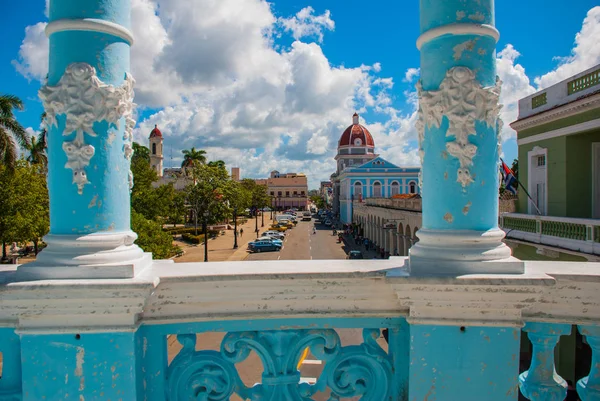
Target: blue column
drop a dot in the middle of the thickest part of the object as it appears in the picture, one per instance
(459, 144)
(399, 350)
(80, 367)
(463, 363)
(541, 382)
(588, 388)
(10, 348)
(88, 100)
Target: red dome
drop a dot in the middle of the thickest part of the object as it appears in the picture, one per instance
(155, 133)
(354, 132)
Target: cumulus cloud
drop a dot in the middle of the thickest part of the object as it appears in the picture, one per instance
(411, 74)
(306, 24)
(515, 86)
(33, 53)
(585, 53)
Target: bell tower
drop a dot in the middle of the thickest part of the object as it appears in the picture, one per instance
(156, 151)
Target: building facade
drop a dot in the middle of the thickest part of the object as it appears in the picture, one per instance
(362, 174)
(289, 190)
(156, 151)
(558, 134)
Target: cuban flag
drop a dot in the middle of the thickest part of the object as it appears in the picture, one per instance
(510, 182)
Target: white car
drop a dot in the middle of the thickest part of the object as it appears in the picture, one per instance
(274, 234)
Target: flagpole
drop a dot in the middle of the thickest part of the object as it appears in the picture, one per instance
(524, 189)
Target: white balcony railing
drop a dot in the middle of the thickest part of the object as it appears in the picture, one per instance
(581, 235)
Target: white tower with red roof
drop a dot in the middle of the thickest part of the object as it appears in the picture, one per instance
(156, 151)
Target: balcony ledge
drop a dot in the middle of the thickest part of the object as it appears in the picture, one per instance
(193, 292)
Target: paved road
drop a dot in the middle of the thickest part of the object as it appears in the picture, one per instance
(301, 244)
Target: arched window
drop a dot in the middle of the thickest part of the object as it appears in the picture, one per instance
(153, 148)
(357, 191)
(412, 187)
(377, 190)
(395, 188)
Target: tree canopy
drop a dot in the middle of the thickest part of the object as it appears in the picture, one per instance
(193, 157)
(11, 130)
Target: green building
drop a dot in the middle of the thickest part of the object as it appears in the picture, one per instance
(558, 134)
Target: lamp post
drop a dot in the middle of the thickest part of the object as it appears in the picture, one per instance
(205, 236)
(235, 232)
(256, 221)
(262, 216)
(272, 207)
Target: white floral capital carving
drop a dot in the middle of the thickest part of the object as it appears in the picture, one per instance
(84, 99)
(463, 100)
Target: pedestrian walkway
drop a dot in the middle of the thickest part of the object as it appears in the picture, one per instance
(221, 248)
(351, 245)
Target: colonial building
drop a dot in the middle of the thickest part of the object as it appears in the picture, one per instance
(289, 190)
(362, 174)
(558, 133)
(175, 175)
(156, 151)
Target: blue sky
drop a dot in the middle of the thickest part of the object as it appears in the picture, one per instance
(277, 92)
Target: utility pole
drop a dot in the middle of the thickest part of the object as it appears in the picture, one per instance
(235, 244)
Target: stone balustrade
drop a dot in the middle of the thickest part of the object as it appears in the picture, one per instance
(581, 235)
(447, 335)
(413, 204)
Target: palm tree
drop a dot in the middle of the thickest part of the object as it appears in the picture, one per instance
(193, 156)
(216, 163)
(36, 150)
(9, 125)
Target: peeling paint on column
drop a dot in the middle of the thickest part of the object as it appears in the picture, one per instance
(93, 202)
(449, 218)
(459, 49)
(460, 15)
(478, 16)
(467, 208)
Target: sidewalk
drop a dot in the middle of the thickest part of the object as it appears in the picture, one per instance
(351, 245)
(221, 248)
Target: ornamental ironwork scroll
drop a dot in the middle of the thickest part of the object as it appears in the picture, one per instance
(363, 370)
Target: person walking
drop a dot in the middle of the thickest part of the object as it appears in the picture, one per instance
(241, 232)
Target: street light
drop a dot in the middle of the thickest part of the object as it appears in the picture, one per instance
(205, 236)
(256, 221)
(235, 232)
(272, 207)
(262, 216)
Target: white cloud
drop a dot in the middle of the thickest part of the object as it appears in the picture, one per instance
(33, 53)
(306, 24)
(515, 86)
(411, 74)
(585, 53)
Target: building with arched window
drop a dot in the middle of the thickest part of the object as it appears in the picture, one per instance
(363, 174)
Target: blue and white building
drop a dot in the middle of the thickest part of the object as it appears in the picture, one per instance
(362, 174)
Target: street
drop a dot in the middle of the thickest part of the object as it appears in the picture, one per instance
(301, 244)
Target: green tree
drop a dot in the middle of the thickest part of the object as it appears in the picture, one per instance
(317, 200)
(218, 163)
(207, 194)
(23, 204)
(37, 151)
(193, 157)
(143, 195)
(152, 238)
(140, 152)
(11, 130)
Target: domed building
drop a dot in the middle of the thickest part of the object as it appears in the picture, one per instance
(362, 174)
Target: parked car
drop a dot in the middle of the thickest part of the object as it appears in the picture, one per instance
(263, 246)
(274, 234)
(273, 240)
(278, 227)
(286, 223)
(355, 255)
(306, 216)
(327, 222)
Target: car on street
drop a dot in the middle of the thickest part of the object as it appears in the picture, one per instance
(306, 216)
(327, 222)
(278, 227)
(273, 240)
(355, 255)
(263, 246)
(274, 234)
(286, 223)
